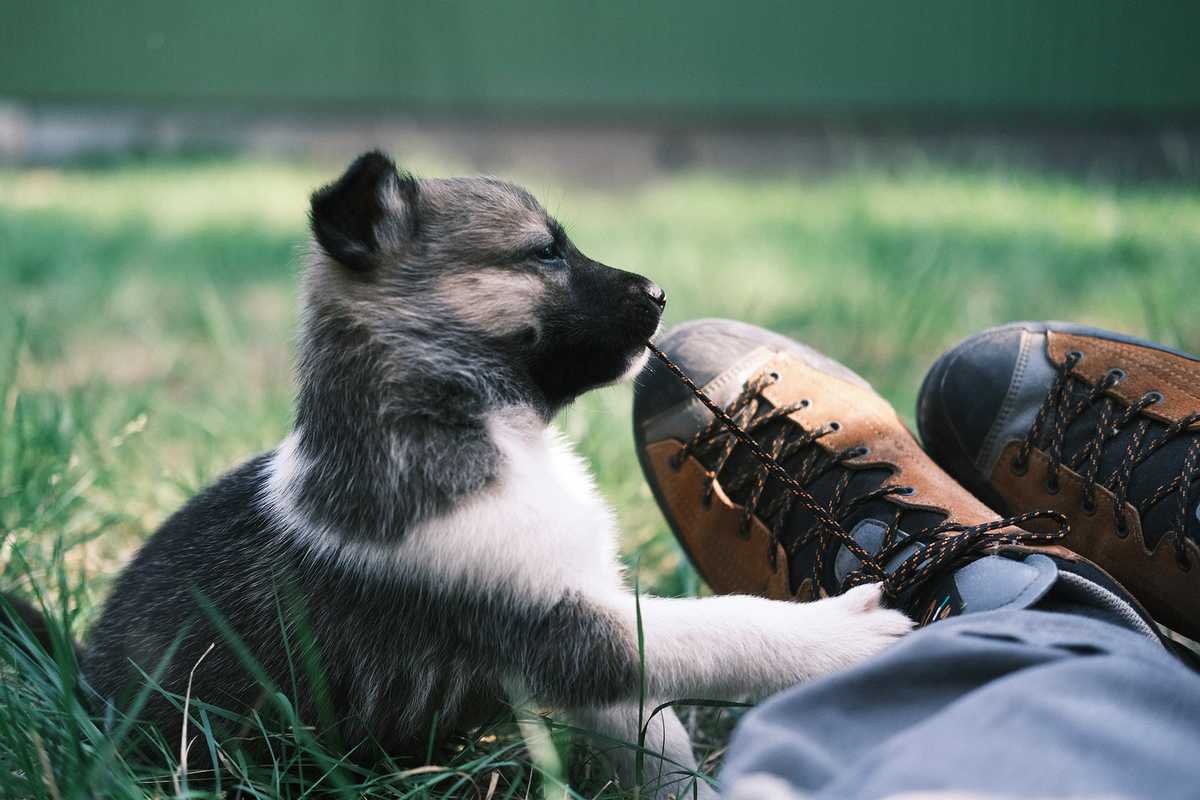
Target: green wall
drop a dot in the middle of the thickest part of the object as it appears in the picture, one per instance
(537, 56)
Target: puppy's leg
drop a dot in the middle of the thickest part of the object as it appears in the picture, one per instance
(668, 766)
(583, 652)
(738, 646)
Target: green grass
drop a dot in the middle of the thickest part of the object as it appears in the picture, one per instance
(145, 347)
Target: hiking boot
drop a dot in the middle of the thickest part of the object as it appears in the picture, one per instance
(1102, 427)
(851, 498)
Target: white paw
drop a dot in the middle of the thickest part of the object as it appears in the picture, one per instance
(833, 634)
(741, 646)
(867, 597)
(862, 626)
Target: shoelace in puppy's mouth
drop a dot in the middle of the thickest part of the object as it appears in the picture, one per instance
(944, 546)
(1068, 399)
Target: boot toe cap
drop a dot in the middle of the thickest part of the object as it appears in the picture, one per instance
(964, 393)
(704, 349)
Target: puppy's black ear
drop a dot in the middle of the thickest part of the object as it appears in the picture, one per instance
(372, 197)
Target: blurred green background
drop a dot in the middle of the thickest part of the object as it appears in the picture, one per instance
(876, 179)
(767, 57)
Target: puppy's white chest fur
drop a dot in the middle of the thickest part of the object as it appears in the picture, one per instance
(541, 528)
(538, 530)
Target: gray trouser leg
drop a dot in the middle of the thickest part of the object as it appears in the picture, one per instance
(1005, 703)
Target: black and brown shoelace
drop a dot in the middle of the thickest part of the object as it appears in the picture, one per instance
(1069, 399)
(943, 547)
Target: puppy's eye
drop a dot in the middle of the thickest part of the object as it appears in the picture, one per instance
(549, 253)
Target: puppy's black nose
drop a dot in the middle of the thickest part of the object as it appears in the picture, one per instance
(655, 293)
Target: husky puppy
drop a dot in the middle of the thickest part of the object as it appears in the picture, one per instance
(423, 548)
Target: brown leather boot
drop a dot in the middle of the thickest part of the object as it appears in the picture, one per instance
(1100, 426)
(852, 498)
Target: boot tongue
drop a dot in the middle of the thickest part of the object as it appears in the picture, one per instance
(985, 584)
(869, 534)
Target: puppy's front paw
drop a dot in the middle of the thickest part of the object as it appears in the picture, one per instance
(862, 599)
(860, 627)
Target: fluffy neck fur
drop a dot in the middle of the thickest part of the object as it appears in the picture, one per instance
(391, 425)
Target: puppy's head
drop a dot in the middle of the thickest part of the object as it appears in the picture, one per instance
(475, 266)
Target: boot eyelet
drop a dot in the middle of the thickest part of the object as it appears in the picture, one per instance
(862, 452)
(1153, 397)
(1089, 507)
(706, 500)
(835, 426)
(907, 491)
(1184, 563)
(1075, 355)
(1052, 486)
(805, 403)
(773, 376)
(1116, 375)
(676, 463)
(1122, 529)
(1018, 467)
